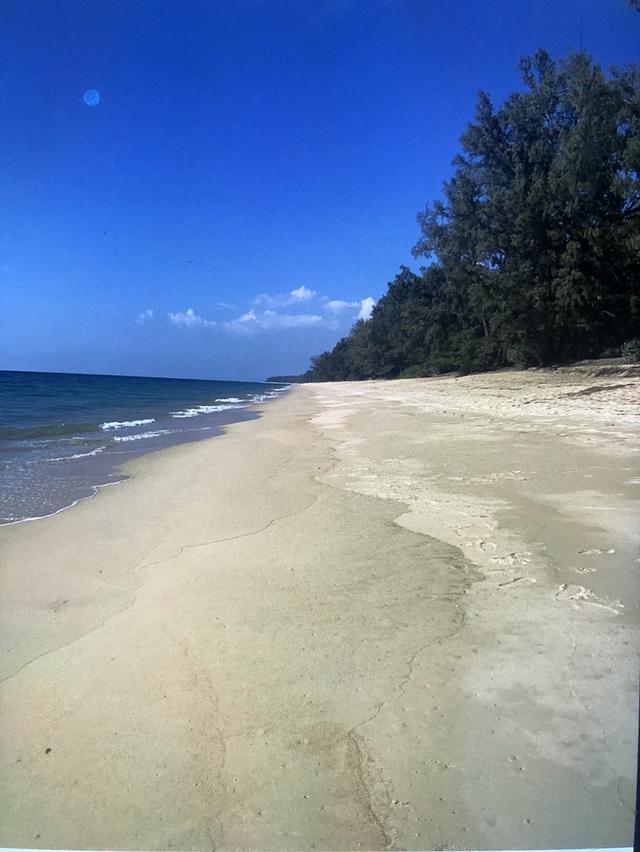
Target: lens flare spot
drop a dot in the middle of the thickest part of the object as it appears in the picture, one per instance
(91, 97)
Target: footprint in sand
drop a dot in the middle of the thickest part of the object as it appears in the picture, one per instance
(481, 544)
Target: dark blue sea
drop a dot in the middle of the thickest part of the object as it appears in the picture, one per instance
(63, 435)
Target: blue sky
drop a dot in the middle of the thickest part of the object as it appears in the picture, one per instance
(250, 179)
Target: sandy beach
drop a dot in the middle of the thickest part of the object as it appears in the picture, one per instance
(385, 615)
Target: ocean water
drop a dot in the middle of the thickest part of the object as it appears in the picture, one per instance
(63, 435)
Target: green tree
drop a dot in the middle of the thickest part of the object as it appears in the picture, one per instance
(538, 231)
(534, 249)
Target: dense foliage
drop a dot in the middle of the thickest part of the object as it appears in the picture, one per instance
(534, 251)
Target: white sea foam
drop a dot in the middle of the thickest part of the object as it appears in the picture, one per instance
(143, 435)
(202, 409)
(263, 397)
(79, 455)
(229, 399)
(125, 424)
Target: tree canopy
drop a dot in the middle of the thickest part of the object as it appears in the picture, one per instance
(533, 252)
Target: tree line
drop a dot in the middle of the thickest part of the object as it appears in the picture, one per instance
(533, 253)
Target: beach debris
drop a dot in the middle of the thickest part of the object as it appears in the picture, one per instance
(513, 558)
(596, 551)
(572, 592)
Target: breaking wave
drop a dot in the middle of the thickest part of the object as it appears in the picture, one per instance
(126, 424)
(141, 436)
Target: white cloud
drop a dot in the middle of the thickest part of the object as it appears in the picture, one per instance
(249, 317)
(253, 322)
(189, 319)
(302, 294)
(336, 306)
(262, 317)
(144, 316)
(279, 300)
(366, 306)
(274, 320)
(264, 299)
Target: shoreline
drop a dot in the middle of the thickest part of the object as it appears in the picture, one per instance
(96, 491)
(121, 469)
(64, 436)
(249, 412)
(342, 624)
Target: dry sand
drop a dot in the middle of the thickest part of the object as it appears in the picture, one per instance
(385, 615)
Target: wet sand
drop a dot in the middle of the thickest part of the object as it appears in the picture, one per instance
(385, 615)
